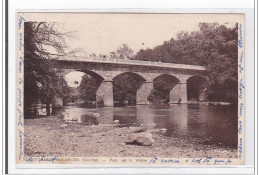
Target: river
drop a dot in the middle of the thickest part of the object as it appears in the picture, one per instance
(199, 124)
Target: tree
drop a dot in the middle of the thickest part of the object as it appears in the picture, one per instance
(88, 88)
(42, 43)
(162, 87)
(113, 55)
(220, 47)
(214, 46)
(125, 87)
(123, 52)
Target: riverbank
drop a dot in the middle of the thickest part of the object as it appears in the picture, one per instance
(210, 103)
(51, 136)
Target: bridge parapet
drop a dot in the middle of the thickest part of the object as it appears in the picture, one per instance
(136, 62)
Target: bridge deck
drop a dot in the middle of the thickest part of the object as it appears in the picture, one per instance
(136, 62)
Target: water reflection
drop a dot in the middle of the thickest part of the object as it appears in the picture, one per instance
(78, 115)
(179, 119)
(145, 116)
(106, 115)
(197, 123)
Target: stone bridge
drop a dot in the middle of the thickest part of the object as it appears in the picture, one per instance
(106, 70)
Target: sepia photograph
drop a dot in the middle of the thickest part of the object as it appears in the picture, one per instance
(159, 88)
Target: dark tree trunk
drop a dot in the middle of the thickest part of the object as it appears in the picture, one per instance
(48, 108)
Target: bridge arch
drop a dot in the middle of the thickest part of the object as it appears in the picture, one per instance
(163, 85)
(196, 88)
(167, 75)
(126, 86)
(132, 74)
(94, 74)
(95, 79)
(136, 75)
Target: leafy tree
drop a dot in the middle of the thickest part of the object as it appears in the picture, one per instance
(42, 43)
(113, 55)
(125, 87)
(88, 88)
(214, 46)
(123, 52)
(162, 87)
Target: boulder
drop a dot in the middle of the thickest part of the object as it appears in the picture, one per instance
(74, 118)
(96, 115)
(121, 144)
(164, 130)
(142, 138)
(63, 126)
(115, 121)
(66, 118)
(153, 125)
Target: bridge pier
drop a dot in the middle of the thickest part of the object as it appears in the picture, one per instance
(104, 94)
(179, 93)
(143, 92)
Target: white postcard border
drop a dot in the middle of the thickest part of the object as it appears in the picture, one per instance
(54, 166)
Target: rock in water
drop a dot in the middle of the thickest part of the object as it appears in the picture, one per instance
(143, 138)
(96, 115)
(66, 118)
(164, 130)
(63, 126)
(116, 121)
(74, 118)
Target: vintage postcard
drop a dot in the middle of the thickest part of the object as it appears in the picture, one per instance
(130, 88)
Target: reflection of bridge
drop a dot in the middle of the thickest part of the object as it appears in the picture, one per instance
(106, 70)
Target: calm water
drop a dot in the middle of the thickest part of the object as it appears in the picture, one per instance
(201, 124)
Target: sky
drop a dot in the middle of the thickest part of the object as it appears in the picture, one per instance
(72, 77)
(103, 33)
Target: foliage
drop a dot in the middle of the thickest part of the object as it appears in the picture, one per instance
(123, 52)
(42, 43)
(125, 87)
(88, 87)
(162, 87)
(214, 46)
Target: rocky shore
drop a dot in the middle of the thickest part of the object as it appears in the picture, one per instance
(51, 136)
